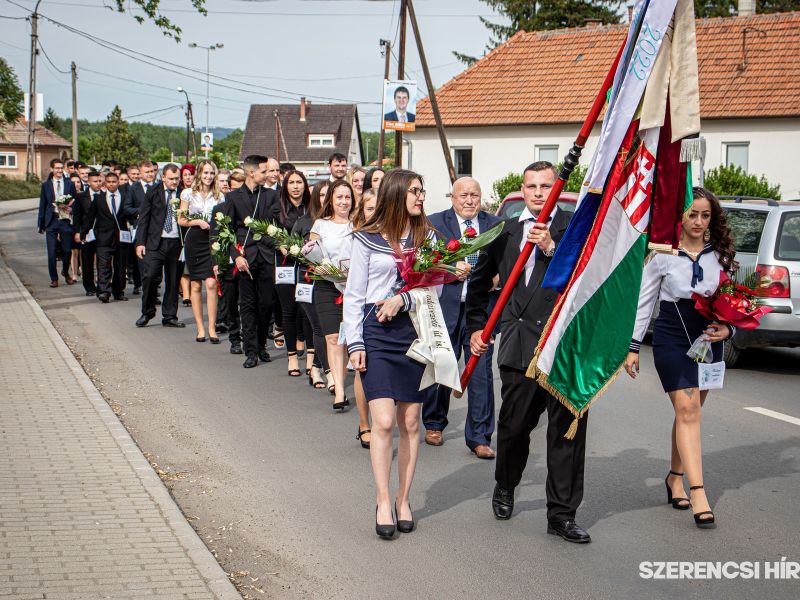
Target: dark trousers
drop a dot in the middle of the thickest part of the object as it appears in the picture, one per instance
(158, 264)
(255, 305)
(88, 251)
(111, 266)
(523, 403)
(479, 424)
(296, 325)
(229, 305)
(133, 266)
(59, 235)
(319, 345)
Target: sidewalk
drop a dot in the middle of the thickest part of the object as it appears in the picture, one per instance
(9, 207)
(82, 513)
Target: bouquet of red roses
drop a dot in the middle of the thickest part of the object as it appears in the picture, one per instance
(735, 302)
(434, 262)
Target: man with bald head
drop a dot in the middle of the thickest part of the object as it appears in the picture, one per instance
(465, 213)
(273, 175)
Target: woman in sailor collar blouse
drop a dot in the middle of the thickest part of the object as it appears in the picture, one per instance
(705, 250)
(379, 331)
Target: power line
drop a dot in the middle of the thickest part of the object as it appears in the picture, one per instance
(168, 109)
(50, 61)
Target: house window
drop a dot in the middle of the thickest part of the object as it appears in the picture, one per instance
(320, 140)
(8, 160)
(548, 153)
(462, 161)
(736, 154)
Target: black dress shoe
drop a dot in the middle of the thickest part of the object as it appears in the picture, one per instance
(263, 356)
(137, 291)
(569, 530)
(143, 321)
(173, 323)
(385, 532)
(404, 526)
(121, 298)
(250, 362)
(502, 502)
(222, 328)
(236, 348)
(104, 297)
(90, 293)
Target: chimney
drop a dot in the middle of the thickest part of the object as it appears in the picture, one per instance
(593, 22)
(630, 12)
(302, 109)
(747, 8)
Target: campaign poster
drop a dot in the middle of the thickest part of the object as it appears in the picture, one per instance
(207, 142)
(399, 104)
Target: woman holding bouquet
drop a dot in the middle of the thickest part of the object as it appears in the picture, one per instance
(196, 212)
(379, 331)
(294, 199)
(706, 249)
(187, 180)
(333, 231)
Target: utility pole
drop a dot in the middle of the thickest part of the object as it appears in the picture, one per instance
(277, 136)
(189, 134)
(208, 50)
(30, 160)
(432, 94)
(74, 71)
(386, 48)
(401, 74)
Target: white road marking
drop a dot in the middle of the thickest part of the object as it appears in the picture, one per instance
(775, 415)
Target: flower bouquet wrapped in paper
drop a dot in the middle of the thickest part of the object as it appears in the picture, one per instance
(63, 206)
(321, 267)
(735, 302)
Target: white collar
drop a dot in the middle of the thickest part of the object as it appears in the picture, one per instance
(527, 214)
(462, 220)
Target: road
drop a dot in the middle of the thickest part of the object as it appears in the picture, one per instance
(279, 489)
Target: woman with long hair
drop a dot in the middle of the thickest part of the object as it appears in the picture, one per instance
(318, 361)
(198, 201)
(363, 213)
(706, 249)
(187, 179)
(379, 331)
(333, 231)
(356, 176)
(372, 181)
(294, 200)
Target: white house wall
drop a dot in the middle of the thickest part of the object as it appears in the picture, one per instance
(774, 150)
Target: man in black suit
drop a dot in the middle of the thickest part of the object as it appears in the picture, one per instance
(228, 313)
(110, 227)
(400, 113)
(523, 321)
(158, 247)
(80, 214)
(256, 260)
(58, 231)
(465, 214)
(142, 179)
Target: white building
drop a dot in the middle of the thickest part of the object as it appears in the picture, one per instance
(526, 100)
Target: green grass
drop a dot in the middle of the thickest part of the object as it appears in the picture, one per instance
(15, 189)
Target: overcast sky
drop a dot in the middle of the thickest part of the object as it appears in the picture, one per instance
(276, 50)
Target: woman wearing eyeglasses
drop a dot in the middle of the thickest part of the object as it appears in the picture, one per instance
(379, 331)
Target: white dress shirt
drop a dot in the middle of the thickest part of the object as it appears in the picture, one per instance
(173, 234)
(200, 205)
(525, 216)
(462, 224)
(58, 187)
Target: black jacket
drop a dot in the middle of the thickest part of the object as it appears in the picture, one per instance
(528, 308)
(152, 214)
(80, 209)
(261, 204)
(106, 225)
(133, 202)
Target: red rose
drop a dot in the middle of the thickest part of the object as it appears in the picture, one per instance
(470, 233)
(453, 245)
(435, 259)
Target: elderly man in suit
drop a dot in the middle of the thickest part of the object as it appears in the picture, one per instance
(57, 231)
(464, 214)
(523, 321)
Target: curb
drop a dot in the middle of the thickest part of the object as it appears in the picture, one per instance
(207, 566)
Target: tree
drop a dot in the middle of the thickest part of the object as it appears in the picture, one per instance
(371, 149)
(11, 96)
(163, 154)
(727, 8)
(151, 11)
(117, 142)
(544, 14)
(733, 181)
(51, 120)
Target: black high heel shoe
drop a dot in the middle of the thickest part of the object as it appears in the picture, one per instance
(385, 532)
(341, 405)
(703, 523)
(404, 526)
(360, 437)
(675, 502)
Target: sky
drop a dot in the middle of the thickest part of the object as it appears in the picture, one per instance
(274, 51)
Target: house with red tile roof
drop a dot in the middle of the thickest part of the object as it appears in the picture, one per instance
(14, 149)
(526, 100)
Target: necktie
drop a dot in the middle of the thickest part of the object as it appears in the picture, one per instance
(58, 187)
(472, 259)
(170, 213)
(95, 196)
(113, 203)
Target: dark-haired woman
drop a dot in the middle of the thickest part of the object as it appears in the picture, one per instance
(317, 362)
(333, 229)
(294, 199)
(379, 331)
(705, 250)
(373, 179)
(187, 179)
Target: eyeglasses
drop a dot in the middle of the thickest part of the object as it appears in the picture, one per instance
(418, 192)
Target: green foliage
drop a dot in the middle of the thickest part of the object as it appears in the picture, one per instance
(151, 11)
(163, 154)
(11, 96)
(505, 185)
(371, 149)
(226, 150)
(542, 15)
(727, 8)
(733, 181)
(51, 120)
(576, 178)
(15, 189)
(117, 142)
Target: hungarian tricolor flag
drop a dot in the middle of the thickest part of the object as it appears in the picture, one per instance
(598, 266)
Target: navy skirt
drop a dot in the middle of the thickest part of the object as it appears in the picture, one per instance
(670, 344)
(390, 373)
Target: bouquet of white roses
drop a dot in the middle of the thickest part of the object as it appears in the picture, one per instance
(63, 206)
(321, 267)
(291, 242)
(221, 242)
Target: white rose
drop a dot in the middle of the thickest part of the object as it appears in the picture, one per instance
(247, 221)
(272, 230)
(326, 263)
(215, 246)
(294, 250)
(219, 216)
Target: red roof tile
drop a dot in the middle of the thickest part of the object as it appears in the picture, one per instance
(552, 76)
(16, 134)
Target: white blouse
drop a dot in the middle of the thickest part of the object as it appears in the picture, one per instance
(373, 276)
(674, 277)
(199, 204)
(335, 239)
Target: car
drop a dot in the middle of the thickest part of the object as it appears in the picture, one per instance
(767, 238)
(512, 205)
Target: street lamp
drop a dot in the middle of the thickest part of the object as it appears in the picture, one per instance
(189, 126)
(208, 50)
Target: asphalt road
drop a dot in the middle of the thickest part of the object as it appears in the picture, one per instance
(279, 489)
